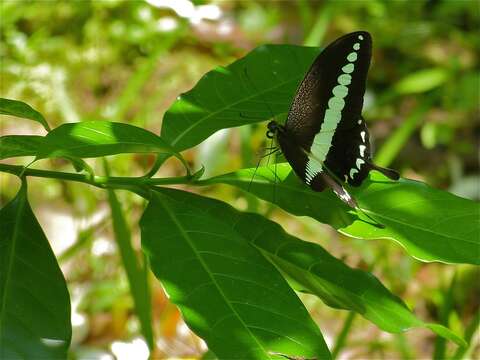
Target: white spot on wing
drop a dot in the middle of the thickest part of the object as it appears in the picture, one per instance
(359, 122)
(360, 37)
(359, 163)
(353, 171)
(344, 196)
(362, 134)
(362, 150)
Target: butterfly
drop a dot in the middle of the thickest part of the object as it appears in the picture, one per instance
(325, 138)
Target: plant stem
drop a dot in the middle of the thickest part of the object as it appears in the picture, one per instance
(120, 182)
(439, 351)
(339, 344)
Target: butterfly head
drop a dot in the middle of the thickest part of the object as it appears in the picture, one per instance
(274, 127)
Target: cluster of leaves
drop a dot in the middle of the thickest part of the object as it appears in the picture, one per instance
(231, 273)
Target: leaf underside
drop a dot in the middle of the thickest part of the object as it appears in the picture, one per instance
(34, 301)
(313, 270)
(19, 145)
(228, 293)
(23, 110)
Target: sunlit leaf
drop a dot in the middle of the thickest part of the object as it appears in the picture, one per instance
(431, 224)
(228, 293)
(19, 145)
(252, 89)
(34, 301)
(100, 138)
(20, 109)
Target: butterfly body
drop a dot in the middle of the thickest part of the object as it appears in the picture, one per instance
(325, 139)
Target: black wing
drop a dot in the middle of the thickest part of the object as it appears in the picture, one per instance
(325, 117)
(309, 106)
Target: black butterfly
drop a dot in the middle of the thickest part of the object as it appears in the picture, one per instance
(325, 139)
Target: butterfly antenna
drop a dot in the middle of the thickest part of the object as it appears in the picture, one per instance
(275, 179)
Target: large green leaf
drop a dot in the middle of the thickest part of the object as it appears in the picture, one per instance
(431, 224)
(34, 301)
(20, 109)
(100, 138)
(228, 293)
(315, 271)
(312, 269)
(251, 89)
(19, 145)
(136, 272)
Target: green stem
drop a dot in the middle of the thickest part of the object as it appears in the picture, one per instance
(135, 184)
(341, 338)
(440, 348)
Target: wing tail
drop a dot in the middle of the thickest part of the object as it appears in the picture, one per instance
(390, 173)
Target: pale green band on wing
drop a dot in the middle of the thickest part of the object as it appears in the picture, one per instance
(344, 79)
(348, 68)
(340, 91)
(352, 57)
(333, 114)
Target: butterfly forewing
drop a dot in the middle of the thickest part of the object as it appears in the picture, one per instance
(325, 117)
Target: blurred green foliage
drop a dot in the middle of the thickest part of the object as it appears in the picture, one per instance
(127, 61)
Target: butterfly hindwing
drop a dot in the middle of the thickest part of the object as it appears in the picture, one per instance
(349, 156)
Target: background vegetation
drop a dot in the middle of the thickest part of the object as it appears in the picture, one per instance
(127, 61)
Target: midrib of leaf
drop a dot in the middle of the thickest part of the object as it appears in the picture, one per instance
(421, 228)
(16, 229)
(298, 190)
(210, 114)
(122, 143)
(210, 274)
(275, 255)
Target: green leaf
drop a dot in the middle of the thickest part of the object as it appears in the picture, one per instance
(136, 272)
(34, 301)
(311, 269)
(252, 89)
(472, 329)
(228, 293)
(101, 138)
(422, 81)
(431, 224)
(23, 110)
(315, 271)
(19, 145)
